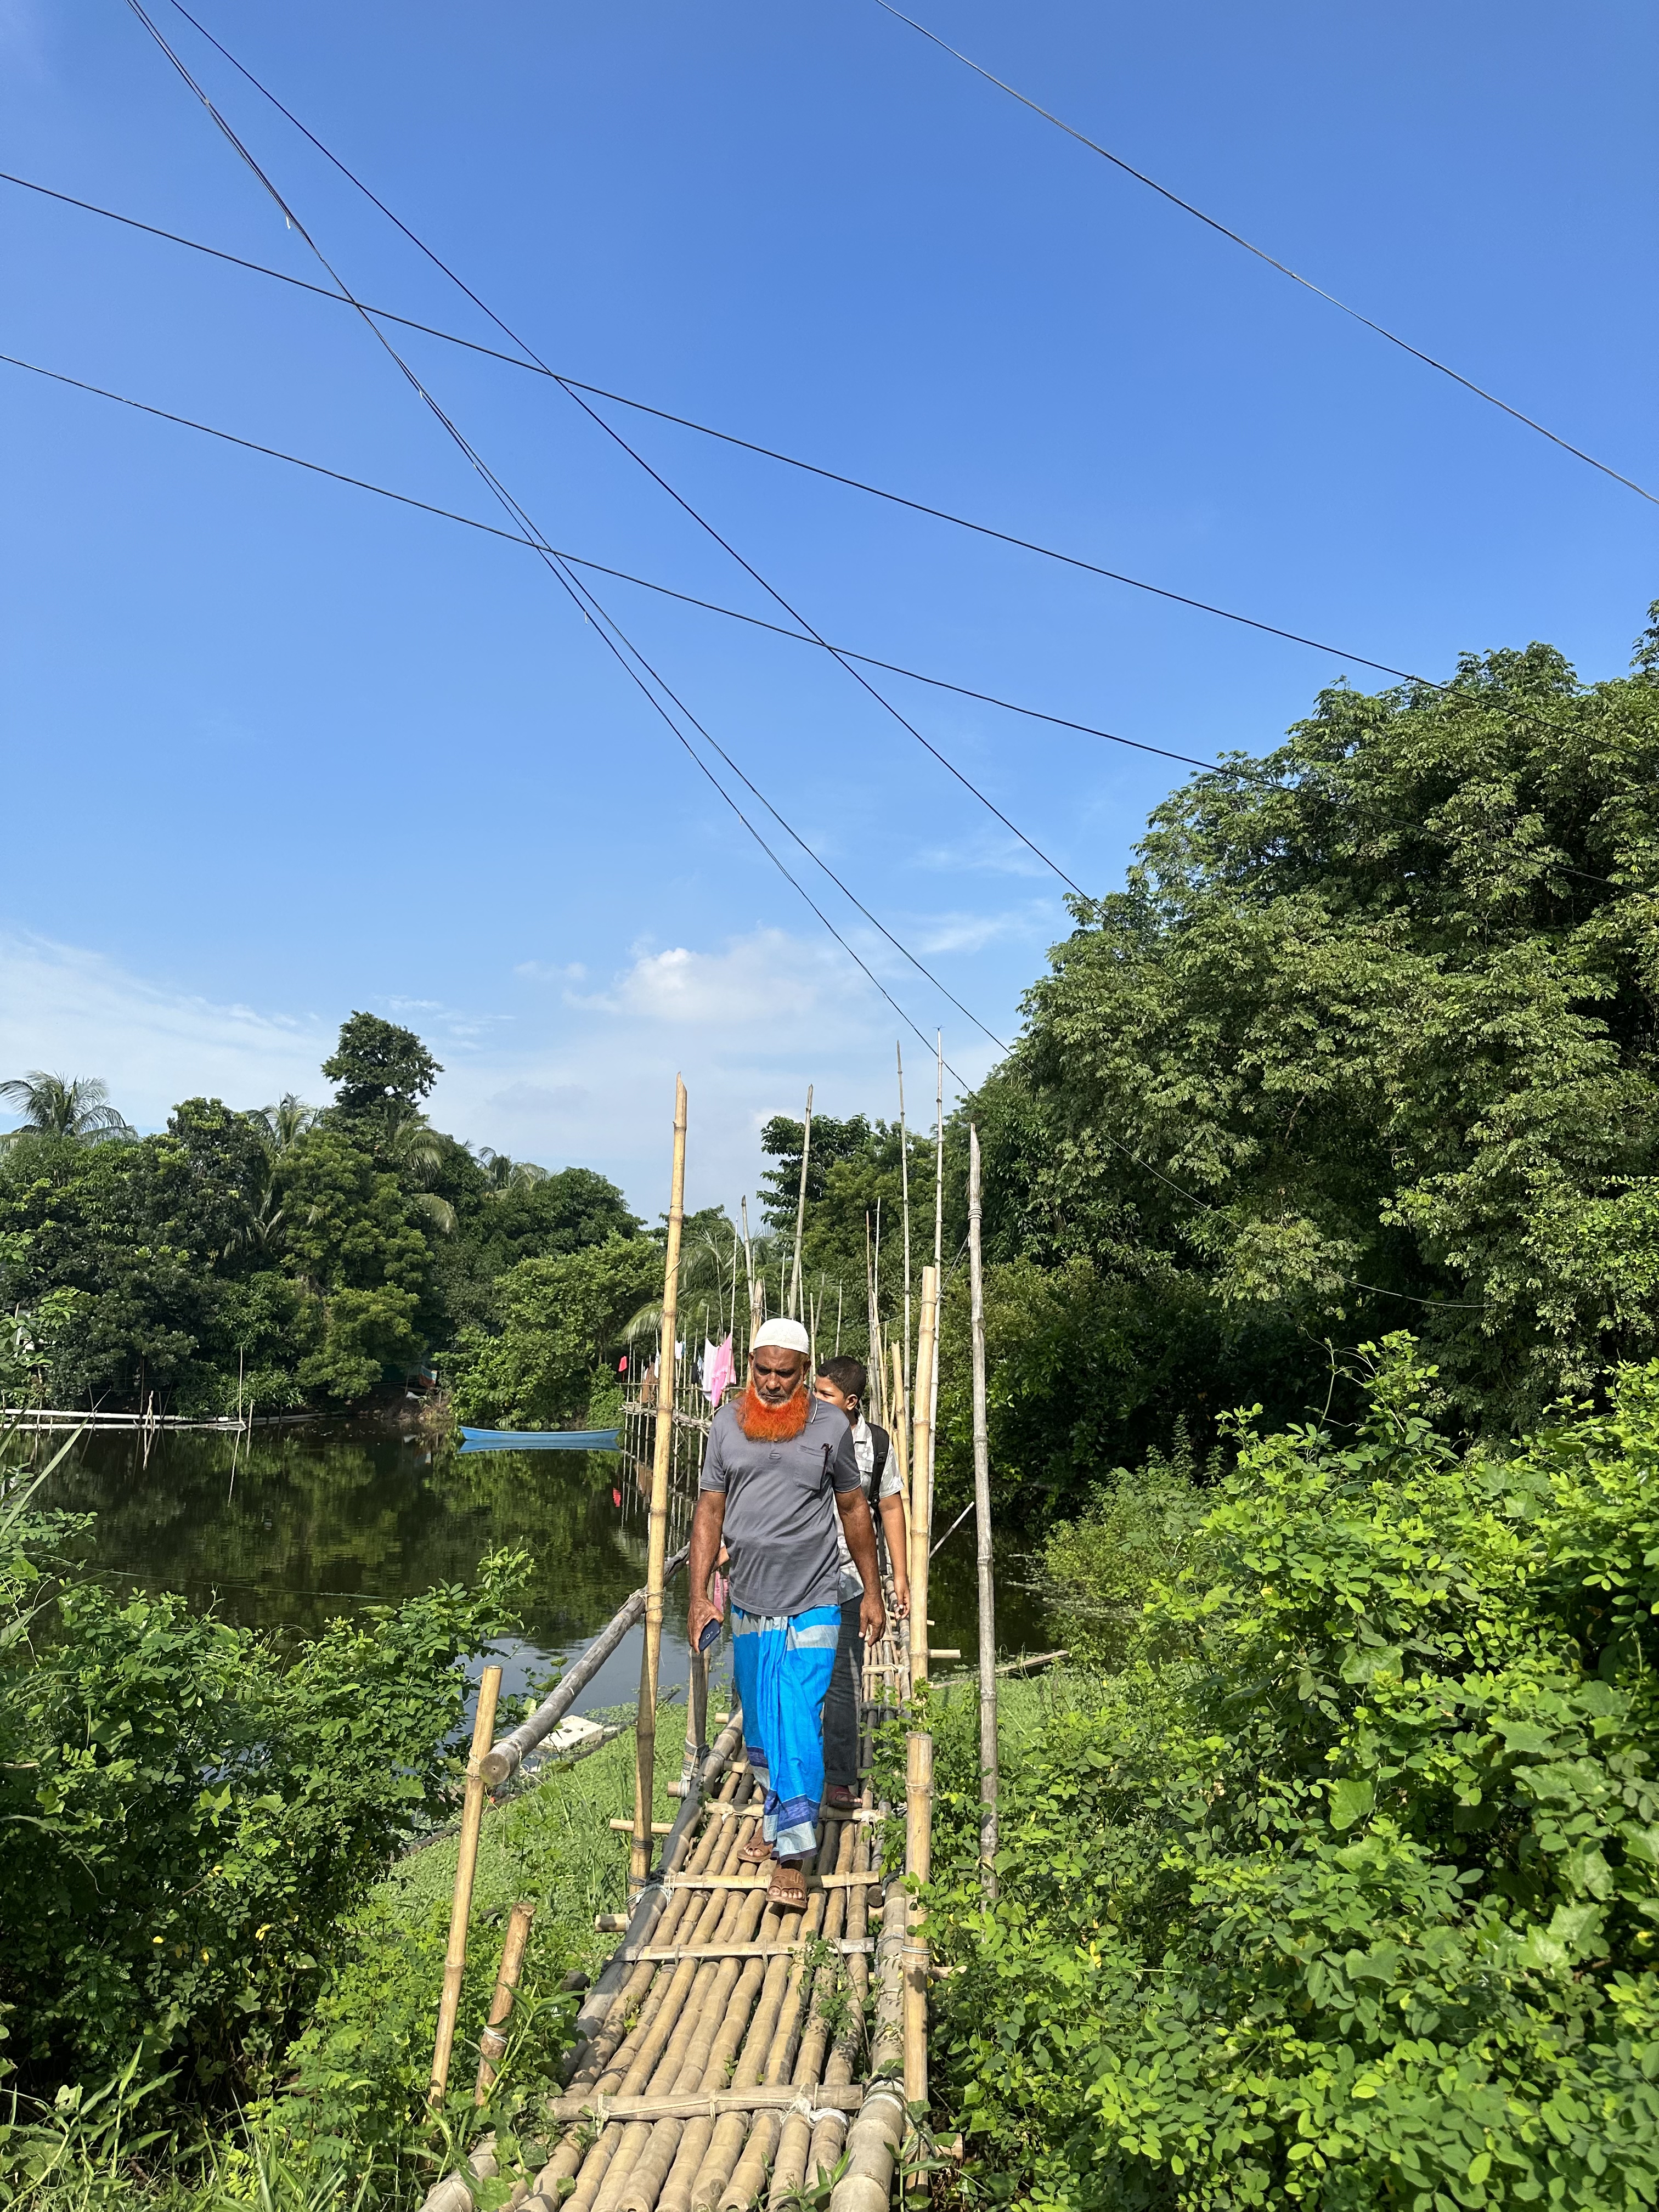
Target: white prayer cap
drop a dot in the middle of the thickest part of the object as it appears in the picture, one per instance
(787, 1335)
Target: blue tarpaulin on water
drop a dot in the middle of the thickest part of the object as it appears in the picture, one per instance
(475, 1440)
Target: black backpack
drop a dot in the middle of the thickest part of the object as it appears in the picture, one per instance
(883, 1444)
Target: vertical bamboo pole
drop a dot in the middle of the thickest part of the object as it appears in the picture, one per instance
(460, 1909)
(900, 1424)
(987, 1617)
(939, 1269)
(748, 1274)
(918, 1861)
(645, 1730)
(920, 1468)
(793, 1308)
(493, 2042)
(904, 1176)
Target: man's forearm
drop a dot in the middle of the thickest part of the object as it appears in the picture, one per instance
(706, 1526)
(895, 1528)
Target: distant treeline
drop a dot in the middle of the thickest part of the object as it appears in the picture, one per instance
(1369, 1040)
(280, 1257)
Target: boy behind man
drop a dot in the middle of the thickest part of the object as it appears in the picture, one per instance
(840, 1383)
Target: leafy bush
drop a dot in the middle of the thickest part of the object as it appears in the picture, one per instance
(1136, 1532)
(1346, 1893)
(190, 1808)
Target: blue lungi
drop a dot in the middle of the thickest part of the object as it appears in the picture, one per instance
(783, 1663)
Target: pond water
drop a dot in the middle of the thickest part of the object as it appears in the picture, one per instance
(306, 1523)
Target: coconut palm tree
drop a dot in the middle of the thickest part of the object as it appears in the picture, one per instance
(507, 1173)
(284, 1124)
(416, 1152)
(75, 1107)
(278, 1128)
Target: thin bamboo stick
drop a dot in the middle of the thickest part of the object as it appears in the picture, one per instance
(460, 1909)
(987, 1599)
(645, 1732)
(918, 1865)
(904, 1176)
(793, 1308)
(920, 1467)
(493, 2042)
(939, 1270)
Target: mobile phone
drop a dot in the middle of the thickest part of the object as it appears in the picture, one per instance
(710, 1637)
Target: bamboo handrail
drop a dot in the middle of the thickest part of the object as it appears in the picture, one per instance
(460, 1908)
(645, 1730)
(506, 1755)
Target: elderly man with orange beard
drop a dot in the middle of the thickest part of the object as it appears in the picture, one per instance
(779, 1475)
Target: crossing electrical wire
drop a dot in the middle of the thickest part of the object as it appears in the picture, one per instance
(661, 482)
(623, 575)
(573, 384)
(1283, 268)
(626, 653)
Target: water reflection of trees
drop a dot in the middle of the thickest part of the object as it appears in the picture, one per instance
(313, 1523)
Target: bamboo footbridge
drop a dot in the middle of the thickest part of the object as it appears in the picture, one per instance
(732, 2051)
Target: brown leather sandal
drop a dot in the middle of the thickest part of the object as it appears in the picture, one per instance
(787, 1886)
(756, 1851)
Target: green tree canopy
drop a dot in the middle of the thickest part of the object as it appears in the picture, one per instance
(380, 1071)
(563, 1320)
(1369, 1036)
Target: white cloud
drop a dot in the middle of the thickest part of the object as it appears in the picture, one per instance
(549, 971)
(75, 1012)
(588, 1080)
(768, 985)
(972, 933)
(986, 852)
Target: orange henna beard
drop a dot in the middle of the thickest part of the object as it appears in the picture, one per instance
(770, 1424)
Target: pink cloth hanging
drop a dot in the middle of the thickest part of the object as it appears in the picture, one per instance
(717, 1378)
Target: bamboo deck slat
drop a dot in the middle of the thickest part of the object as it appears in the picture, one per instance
(762, 1880)
(847, 1947)
(782, 2096)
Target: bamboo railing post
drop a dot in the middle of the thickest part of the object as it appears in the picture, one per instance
(939, 1270)
(493, 2042)
(904, 1181)
(987, 1617)
(484, 1729)
(645, 1731)
(918, 1863)
(920, 1471)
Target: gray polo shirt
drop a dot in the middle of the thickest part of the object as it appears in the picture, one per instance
(780, 1514)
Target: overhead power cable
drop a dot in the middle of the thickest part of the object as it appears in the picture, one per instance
(661, 482)
(623, 575)
(1262, 254)
(571, 384)
(627, 654)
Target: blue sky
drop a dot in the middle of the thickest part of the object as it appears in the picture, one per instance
(275, 750)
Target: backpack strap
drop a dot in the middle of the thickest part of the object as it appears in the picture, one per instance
(883, 1444)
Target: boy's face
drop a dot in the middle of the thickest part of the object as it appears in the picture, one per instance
(832, 1395)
